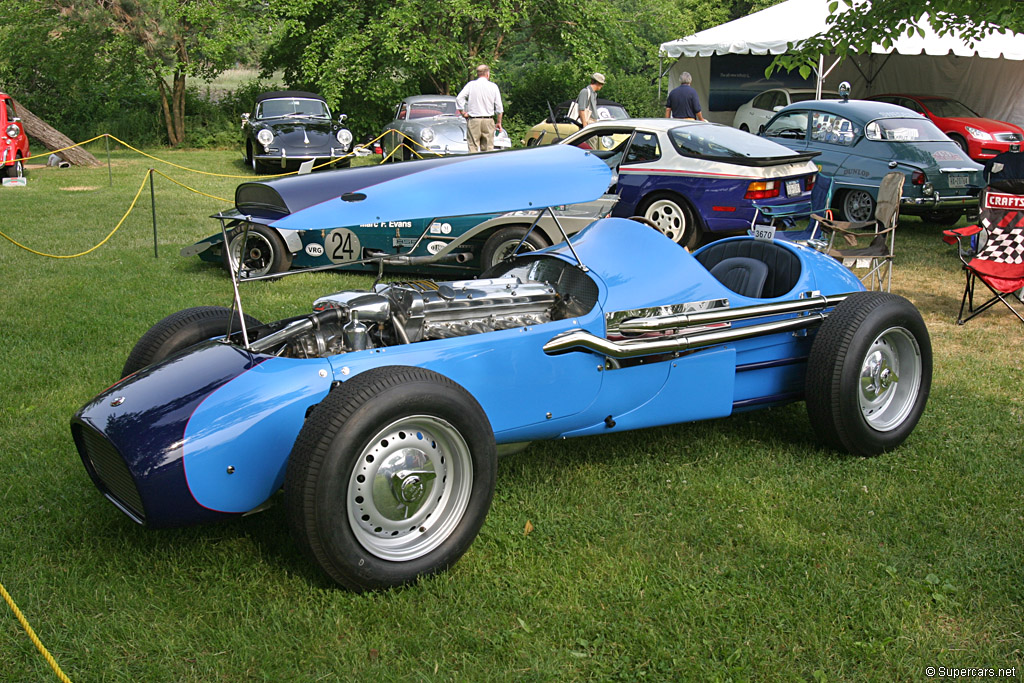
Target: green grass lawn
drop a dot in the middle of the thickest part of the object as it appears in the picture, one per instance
(729, 550)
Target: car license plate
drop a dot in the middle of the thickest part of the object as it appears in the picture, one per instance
(792, 188)
(958, 180)
(1014, 148)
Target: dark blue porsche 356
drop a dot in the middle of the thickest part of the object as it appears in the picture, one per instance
(381, 412)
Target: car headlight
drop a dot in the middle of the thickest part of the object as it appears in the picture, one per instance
(265, 137)
(978, 134)
(344, 137)
(13, 131)
(427, 135)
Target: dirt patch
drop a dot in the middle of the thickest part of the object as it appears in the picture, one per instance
(83, 188)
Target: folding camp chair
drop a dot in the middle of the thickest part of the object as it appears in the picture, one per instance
(785, 217)
(998, 263)
(880, 232)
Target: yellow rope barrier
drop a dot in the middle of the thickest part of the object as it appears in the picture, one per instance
(32, 635)
(105, 239)
(190, 189)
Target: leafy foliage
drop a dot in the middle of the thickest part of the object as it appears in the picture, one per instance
(854, 30)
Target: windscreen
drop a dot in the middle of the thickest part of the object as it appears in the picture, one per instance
(724, 142)
(904, 130)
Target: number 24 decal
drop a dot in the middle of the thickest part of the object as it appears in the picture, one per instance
(342, 246)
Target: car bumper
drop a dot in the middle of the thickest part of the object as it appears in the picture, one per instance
(284, 159)
(986, 149)
(914, 205)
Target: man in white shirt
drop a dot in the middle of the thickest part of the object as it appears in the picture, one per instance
(478, 102)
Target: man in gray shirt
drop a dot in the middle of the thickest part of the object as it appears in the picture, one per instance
(478, 102)
(587, 100)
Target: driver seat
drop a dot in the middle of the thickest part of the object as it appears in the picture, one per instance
(742, 274)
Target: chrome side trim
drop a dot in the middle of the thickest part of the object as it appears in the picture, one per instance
(579, 340)
(706, 317)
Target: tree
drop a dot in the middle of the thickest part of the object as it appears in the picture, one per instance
(854, 28)
(171, 40)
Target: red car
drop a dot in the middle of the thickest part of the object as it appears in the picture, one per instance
(981, 138)
(13, 140)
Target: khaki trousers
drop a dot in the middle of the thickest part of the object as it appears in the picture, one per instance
(480, 134)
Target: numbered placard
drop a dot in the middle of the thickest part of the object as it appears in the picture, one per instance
(342, 246)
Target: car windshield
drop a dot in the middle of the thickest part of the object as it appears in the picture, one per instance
(611, 112)
(424, 110)
(294, 106)
(904, 130)
(949, 109)
(709, 140)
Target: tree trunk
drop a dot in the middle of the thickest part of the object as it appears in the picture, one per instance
(53, 139)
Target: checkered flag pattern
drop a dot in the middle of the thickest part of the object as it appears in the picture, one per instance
(1005, 242)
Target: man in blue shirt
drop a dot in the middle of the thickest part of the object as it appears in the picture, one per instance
(683, 102)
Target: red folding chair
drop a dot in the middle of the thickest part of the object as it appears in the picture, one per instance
(992, 252)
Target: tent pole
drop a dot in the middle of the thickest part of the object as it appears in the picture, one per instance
(660, 74)
(821, 77)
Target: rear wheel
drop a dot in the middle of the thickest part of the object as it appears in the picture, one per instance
(391, 477)
(673, 218)
(502, 244)
(265, 252)
(869, 374)
(858, 206)
(181, 330)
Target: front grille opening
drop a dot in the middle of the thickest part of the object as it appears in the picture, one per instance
(109, 471)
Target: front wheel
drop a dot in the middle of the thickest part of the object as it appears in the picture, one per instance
(181, 330)
(960, 142)
(673, 218)
(869, 374)
(391, 477)
(264, 250)
(16, 170)
(858, 206)
(502, 244)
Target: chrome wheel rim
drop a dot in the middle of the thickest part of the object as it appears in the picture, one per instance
(259, 253)
(410, 488)
(669, 218)
(890, 379)
(507, 248)
(858, 205)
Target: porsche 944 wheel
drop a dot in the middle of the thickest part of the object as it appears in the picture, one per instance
(673, 218)
(265, 252)
(181, 330)
(391, 477)
(869, 374)
(500, 245)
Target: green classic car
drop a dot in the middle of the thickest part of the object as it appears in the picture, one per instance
(859, 141)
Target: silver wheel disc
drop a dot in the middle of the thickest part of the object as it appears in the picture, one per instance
(259, 253)
(890, 379)
(858, 205)
(669, 218)
(409, 488)
(507, 248)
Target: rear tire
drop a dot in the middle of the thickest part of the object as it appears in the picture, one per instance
(181, 330)
(501, 244)
(390, 478)
(265, 251)
(869, 374)
(857, 206)
(15, 170)
(674, 219)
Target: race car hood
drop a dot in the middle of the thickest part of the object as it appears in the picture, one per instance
(454, 186)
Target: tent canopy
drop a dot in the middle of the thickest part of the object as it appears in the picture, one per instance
(984, 76)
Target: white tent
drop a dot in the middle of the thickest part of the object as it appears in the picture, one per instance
(988, 77)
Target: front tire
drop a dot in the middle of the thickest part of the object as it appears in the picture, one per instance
(858, 206)
(265, 251)
(869, 374)
(960, 142)
(502, 243)
(391, 477)
(673, 218)
(17, 169)
(181, 330)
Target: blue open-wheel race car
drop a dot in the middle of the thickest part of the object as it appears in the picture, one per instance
(381, 412)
